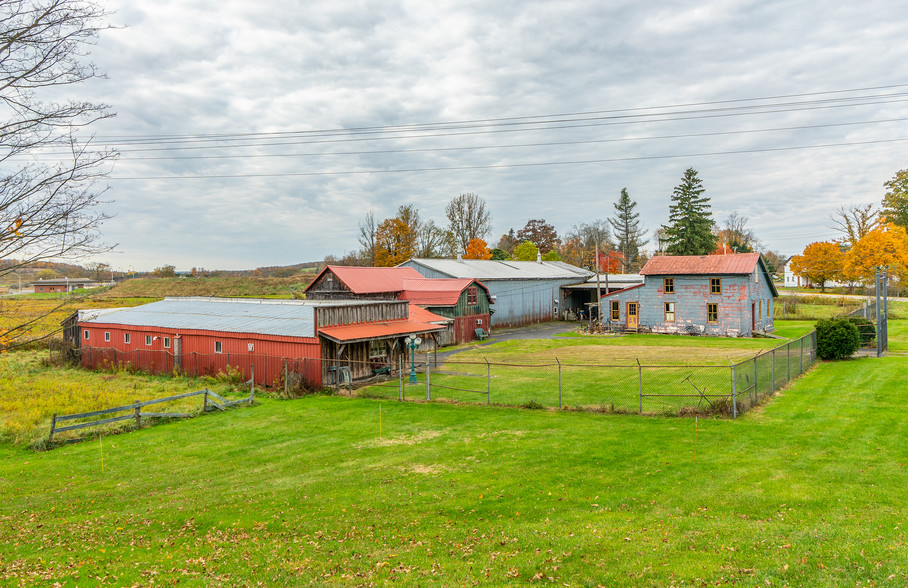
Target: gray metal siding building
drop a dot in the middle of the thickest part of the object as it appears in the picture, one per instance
(525, 292)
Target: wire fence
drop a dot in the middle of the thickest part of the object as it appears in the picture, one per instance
(637, 388)
(645, 389)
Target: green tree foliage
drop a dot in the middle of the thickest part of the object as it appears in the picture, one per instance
(551, 256)
(165, 271)
(689, 228)
(626, 229)
(895, 202)
(499, 254)
(837, 338)
(526, 251)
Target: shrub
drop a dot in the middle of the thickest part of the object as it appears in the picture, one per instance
(866, 328)
(533, 405)
(837, 338)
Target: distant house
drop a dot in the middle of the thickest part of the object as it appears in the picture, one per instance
(728, 295)
(62, 285)
(523, 292)
(205, 335)
(793, 280)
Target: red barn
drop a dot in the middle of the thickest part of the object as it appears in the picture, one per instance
(263, 339)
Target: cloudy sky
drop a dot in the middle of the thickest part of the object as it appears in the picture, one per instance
(260, 133)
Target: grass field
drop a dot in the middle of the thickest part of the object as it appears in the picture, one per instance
(220, 286)
(325, 490)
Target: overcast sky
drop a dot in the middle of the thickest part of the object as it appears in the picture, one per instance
(610, 86)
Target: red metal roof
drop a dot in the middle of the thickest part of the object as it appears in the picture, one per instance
(379, 330)
(437, 291)
(370, 280)
(422, 315)
(738, 263)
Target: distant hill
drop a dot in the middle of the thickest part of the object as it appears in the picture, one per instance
(217, 286)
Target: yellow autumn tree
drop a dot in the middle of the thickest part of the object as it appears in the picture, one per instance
(395, 243)
(887, 245)
(477, 249)
(820, 263)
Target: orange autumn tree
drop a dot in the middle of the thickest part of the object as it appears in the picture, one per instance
(886, 245)
(394, 243)
(820, 263)
(477, 249)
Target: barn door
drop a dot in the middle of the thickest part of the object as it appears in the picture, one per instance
(632, 320)
(753, 316)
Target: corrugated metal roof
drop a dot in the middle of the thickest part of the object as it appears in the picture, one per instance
(438, 291)
(738, 263)
(366, 331)
(370, 280)
(490, 269)
(422, 315)
(613, 280)
(291, 318)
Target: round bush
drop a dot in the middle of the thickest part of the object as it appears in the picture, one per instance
(837, 338)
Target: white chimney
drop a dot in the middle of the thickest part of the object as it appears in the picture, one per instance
(538, 257)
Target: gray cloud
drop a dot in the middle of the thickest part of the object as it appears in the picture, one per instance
(193, 68)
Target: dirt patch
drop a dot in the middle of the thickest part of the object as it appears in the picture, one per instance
(427, 469)
(401, 440)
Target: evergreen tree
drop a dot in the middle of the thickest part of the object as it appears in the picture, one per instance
(689, 228)
(626, 229)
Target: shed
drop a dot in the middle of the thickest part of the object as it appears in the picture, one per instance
(463, 300)
(260, 338)
(727, 295)
(524, 292)
(582, 296)
(62, 285)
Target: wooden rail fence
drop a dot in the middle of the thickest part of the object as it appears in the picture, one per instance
(212, 401)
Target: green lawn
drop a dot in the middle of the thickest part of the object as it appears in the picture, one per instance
(806, 491)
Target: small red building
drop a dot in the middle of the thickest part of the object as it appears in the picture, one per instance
(62, 285)
(323, 342)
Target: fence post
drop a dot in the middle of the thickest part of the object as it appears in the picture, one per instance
(488, 381)
(252, 374)
(640, 383)
(428, 380)
(138, 414)
(205, 402)
(195, 363)
(285, 376)
(788, 363)
(801, 357)
(772, 389)
(755, 377)
(400, 379)
(734, 394)
(53, 425)
(559, 382)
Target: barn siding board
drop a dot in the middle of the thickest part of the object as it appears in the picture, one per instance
(333, 316)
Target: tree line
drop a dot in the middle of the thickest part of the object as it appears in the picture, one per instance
(616, 243)
(871, 237)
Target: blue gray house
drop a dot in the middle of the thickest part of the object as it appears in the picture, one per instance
(524, 292)
(723, 295)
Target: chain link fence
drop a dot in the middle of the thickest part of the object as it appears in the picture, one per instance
(645, 389)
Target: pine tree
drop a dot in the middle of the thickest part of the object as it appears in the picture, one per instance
(627, 229)
(689, 228)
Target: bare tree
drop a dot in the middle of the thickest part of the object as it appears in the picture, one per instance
(367, 229)
(854, 222)
(431, 240)
(48, 209)
(736, 235)
(468, 219)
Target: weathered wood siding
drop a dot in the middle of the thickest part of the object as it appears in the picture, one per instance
(329, 287)
(332, 316)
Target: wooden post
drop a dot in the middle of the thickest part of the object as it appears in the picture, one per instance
(285, 376)
(488, 381)
(205, 402)
(195, 363)
(252, 375)
(138, 415)
(559, 382)
(53, 425)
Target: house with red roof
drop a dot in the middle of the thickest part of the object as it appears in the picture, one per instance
(341, 282)
(721, 295)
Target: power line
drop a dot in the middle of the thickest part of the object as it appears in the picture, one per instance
(512, 165)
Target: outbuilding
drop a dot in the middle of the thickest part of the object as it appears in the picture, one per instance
(726, 295)
(523, 292)
(57, 285)
(324, 342)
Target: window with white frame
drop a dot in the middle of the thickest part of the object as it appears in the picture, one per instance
(148, 339)
(127, 338)
(218, 347)
(85, 334)
(107, 336)
(166, 342)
